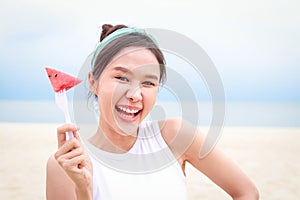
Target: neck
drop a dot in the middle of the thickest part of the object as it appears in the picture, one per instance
(110, 140)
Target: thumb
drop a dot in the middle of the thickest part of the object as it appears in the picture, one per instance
(76, 134)
(61, 132)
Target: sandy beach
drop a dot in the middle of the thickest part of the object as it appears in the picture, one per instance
(268, 155)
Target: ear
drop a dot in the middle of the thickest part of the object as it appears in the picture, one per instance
(92, 83)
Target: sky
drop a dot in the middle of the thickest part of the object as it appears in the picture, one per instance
(255, 45)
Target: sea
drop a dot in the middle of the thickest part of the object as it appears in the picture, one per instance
(202, 113)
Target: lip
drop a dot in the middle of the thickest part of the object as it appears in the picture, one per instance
(126, 116)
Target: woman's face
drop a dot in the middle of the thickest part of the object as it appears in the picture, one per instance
(127, 90)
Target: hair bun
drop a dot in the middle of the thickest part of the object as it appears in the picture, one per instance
(108, 29)
(105, 28)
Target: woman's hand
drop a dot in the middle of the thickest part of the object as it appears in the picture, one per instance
(72, 157)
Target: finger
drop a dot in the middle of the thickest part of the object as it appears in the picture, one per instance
(83, 163)
(72, 164)
(70, 155)
(67, 147)
(61, 132)
(76, 135)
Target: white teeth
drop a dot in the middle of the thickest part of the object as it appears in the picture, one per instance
(128, 110)
(126, 116)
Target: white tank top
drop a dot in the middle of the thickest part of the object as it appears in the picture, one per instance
(148, 171)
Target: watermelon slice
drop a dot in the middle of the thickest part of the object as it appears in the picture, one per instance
(60, 80)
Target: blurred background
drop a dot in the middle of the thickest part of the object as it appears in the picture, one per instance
(253, 44)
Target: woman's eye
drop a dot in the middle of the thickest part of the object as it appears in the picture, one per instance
(122, 78)
(149, 83)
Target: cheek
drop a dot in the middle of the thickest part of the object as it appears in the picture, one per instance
(104, 93)
(110, 92)
(150, 98)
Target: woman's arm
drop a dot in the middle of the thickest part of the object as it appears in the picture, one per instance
(58, 183)
(223, 171)
(216, 165)
(69, 171)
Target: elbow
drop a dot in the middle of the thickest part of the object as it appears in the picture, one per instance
(253, 194)
(256, 194)
(250, 194)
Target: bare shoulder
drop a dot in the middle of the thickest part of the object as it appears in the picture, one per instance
(180, 134)
(177, 127)
(58, 183)
(169, 128)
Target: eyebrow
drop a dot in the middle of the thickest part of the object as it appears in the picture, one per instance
(151, 76)
(121, 69)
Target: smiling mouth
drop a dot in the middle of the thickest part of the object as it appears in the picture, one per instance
(126, 112)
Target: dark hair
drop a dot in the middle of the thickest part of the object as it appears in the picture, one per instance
(130, 40)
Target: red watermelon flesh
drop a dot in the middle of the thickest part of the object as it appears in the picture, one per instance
(60, 80)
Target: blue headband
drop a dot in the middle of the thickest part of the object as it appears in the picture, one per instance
(116, 34)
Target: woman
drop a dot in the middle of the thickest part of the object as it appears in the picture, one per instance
(127, 69)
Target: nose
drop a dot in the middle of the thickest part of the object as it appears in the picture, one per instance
(134, 93)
